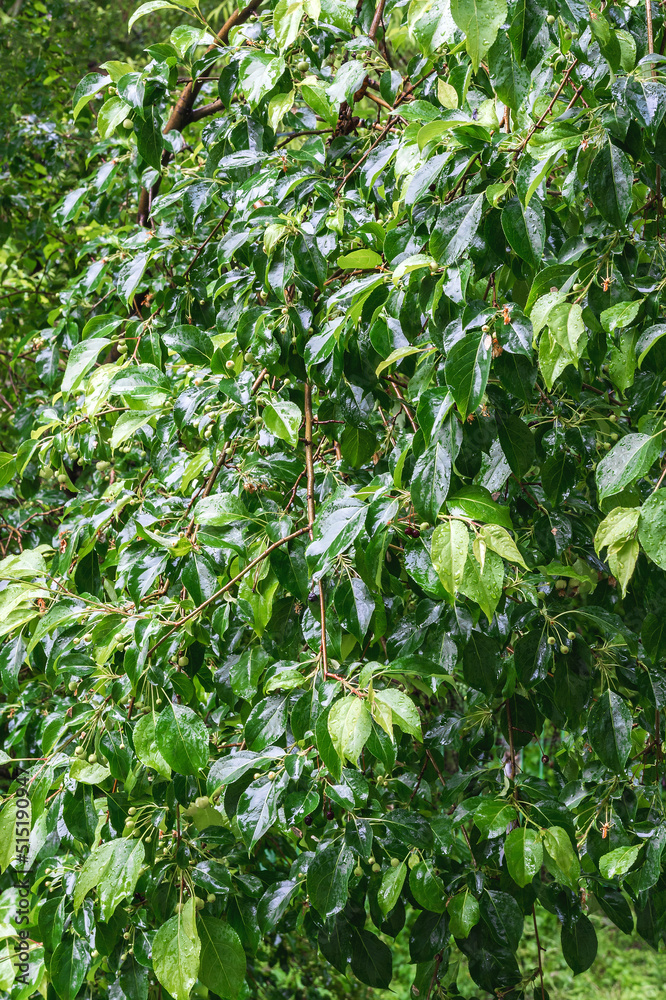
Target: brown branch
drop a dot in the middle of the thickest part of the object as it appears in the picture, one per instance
(309, 469)
(376, 21)
(358, 163)
(218, 593)
(539, 123)
(205, 243)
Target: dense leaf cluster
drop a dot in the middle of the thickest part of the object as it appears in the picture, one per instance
(333, 589)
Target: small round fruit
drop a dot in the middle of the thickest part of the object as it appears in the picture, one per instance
(376, 868)
(128, 123)
(183, 661)
(92, 758)
(571, 635)
(550, 19)
(560, 584)
(200, 903)
(48, 884)
(545, 759)
(248, 357)
(302, 66)
(179, 907)
(122, 347)
(94, 953)
(62, 478)
(256, 776)
(132, 810)
(614, 437)
(72, 685)
(129, 824)
(202, 802)
(126, 935)
(564, 650)
(423, 526)
(308, 820)
(330, 814)
(78, 751)
(229, 364)
(395, 862)
(413, 860)
(272, 775)
(371, 859)
(607, 446)
(358, 871)
(47, 871)
(613, 417)
(551, 640)
(87, 637)
(210, 898)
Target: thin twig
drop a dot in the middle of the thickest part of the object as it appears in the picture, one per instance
(309, 468)
(218, 593)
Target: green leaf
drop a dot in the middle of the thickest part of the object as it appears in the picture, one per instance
(492, 816)
(609, 730)
(349, 726)
(8, 823)
(145, 746)
(476, 503)
(517, 442)
(449, 548)
(525, 229)
(500, 541)
(149, 8)
(559, 858)
(467, 368)
(484, 585)
(81, 359)
(69, 964)
(176, 951)
(631, 458)
(113, 868)
(389, 891)
(360, 259)
(427, 888)
(610, 181)
(110, 115)
(257, 810)
(328, 878)
(149, 137)
(7, 468)
(90, 85)
(284, 420)
(192, 344)
(481, 663)
(430, 481)
(403, 711)
(222, 958)
(464, 914)
(456, 227)
(619, 861)
(579, 944)
(480, 20)
(651, 527)
(524, 854)
(182, 739)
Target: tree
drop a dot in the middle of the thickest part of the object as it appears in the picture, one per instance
(333, 562)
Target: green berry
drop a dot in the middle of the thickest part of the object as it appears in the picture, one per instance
(210, 898)
(395, 862)
(551, 640)
(358, 871)
(92, 758)
(132, 810)
(561, 584)
(571, 635)
(202, 802)
(199, 903)
(78, 751)
(550, 19)
(564, 650)
(183, 661)
(376, 868)
(413, 861)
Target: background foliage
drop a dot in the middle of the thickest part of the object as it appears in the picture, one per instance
(331, 463)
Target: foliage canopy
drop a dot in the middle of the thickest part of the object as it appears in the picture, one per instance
(334, 560)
